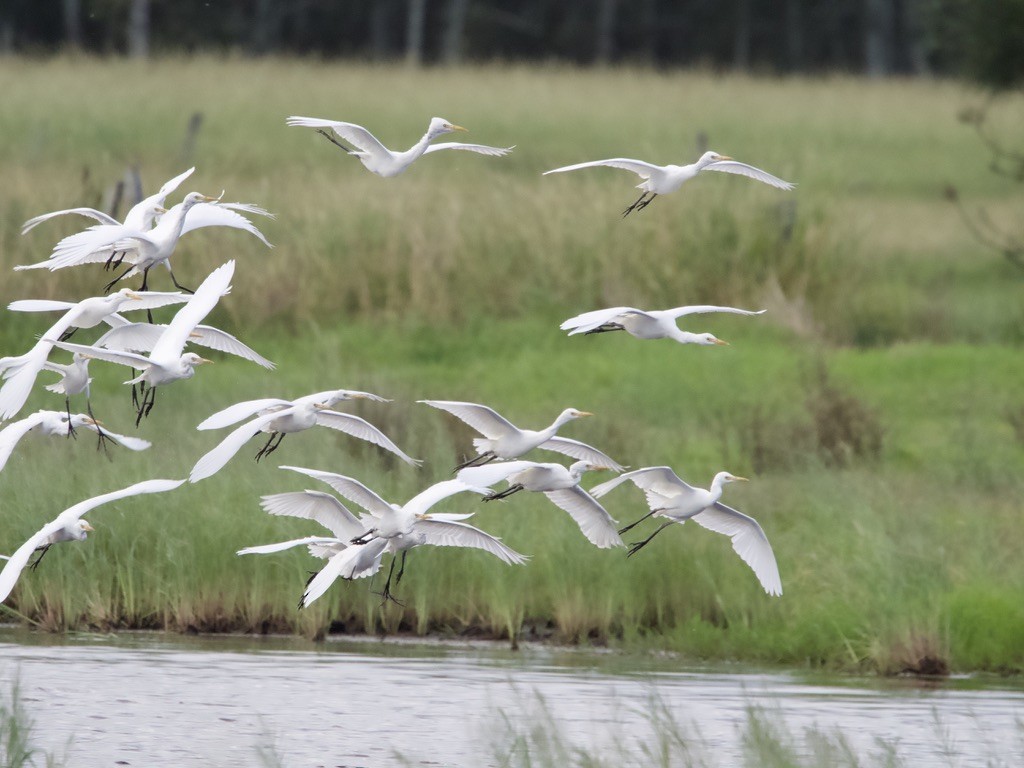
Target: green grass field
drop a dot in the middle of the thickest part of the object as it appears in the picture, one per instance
(877, 407)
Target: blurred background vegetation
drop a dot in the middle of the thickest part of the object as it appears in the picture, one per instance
(877, 404)
(973, 38)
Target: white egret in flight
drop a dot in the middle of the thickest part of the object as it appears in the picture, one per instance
(69, 526)
(21, 371)
(379, 159)
(144, 249)
(280, 417)
(662, 179)
(560, 484)
(503, 440)
(140, 216)
(59, 424)
(166, 363)
(397, 529)
(648, 324)
(670, 497)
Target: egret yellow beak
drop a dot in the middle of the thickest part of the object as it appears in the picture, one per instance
(91, 420)
(321, 406)
(133, 296)
(745, 480)
(458, 128)
(204, 360)
(208, 199)
(585, 413)
(723, 157)
(721, 343)
(87, 527)
(160, 209)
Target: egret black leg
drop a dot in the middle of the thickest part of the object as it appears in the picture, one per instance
(503, 494)
(71, 427)
(606, 328)
(266, 449)
(119, 278)
(67, 333)
(477, 461)
(386, 594)
(178, 285)
(334, 141)
(635, 206)
(42, 553)
(103, 437)
(362, 539)
(634, 548)
(646, 202)
(401, 571)
(631, 526)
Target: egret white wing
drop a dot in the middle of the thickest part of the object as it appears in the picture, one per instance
(484, 420)
(74, 248)
(216, 284)
(222, 341)
(351, 563)
(364, 430)
(268, 549)
(588, 321)
(742, 169)
(13, 432)
(129, 359)
(321, 397)
(92, 213)
(642, 169)
(489, 474)
(40, 305)
(581, 452)
(660, 479)
(216, 215)
(320, 507)
(238, 411)
(593, 519)
(17, 561)
(215, 459)
(424, 500)
(448, 533)
(705, 308)
(354, 134)
(131, 337)
(748, 540)
(129, 442)
(349, 487)
(482, 149)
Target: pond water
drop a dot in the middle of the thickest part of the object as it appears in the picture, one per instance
(154, 700)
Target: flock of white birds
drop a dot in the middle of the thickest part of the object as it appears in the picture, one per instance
(357, 543)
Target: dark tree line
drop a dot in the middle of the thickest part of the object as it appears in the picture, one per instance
(979, 38)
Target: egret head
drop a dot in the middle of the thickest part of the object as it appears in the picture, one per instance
(724, 477)
(708, 340)
(197, 197)
(81, 529)
(577, 469)
(571, 413)
(191, 359)
(440, 126)
(711, 157)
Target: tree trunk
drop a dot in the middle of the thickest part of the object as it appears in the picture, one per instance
(604, 44)
(913, 26)
(138, 29)
(265, 28)
(454, 30)
(878, 32)
(794, 36)
(72, 24)
(741, 40)
(414, 32)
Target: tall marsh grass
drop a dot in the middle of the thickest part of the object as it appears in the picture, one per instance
(889, 489)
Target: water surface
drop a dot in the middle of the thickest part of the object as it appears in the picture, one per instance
(157, 700)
